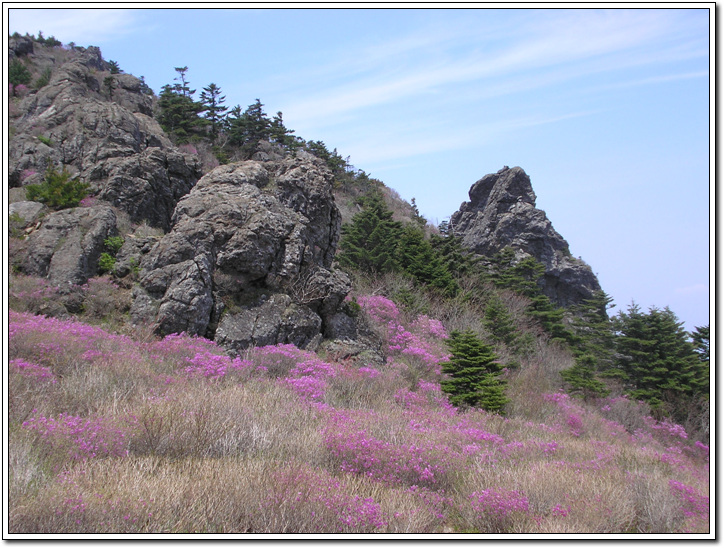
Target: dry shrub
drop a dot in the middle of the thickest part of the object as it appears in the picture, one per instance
(33, 294)
(106, 301)
(26, 471)
(657, 508)
(355, 389)
(205, 419)
(589, 501)
(195, 495)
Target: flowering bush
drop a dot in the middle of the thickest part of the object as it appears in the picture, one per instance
(32, 370)
(318, 503)
(79, 438)
(494, 511)
(355, 451)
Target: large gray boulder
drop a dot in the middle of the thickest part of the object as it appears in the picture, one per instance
(248, 258)
(66, 247)
(502, 213)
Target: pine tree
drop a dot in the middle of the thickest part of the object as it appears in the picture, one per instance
(182, 88)
(657, 361)
(594, 350)
(417, 257)
(369, 242)
(280, 134)
(179, 115)
(214, 110)
(18, 74)
(474, 374)
(246, 129)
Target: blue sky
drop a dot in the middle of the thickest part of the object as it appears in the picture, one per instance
(607, 110)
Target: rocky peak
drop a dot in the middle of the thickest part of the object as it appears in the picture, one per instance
(105, 138)
(502, 213)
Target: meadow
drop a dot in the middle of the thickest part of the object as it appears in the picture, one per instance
(117, 431)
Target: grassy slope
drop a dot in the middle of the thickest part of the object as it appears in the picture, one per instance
(126, 433)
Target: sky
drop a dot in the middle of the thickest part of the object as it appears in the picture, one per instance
(607, 110)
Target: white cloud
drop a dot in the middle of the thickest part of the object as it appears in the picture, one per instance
(553, 50)
(692, 289)
(82, 26)
(403, 143)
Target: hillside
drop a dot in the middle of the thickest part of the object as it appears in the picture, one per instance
(219, 327)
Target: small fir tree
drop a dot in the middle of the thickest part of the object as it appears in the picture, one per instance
(113, 67)
(214, 109)
(369, 242)
(58, 190)
(18, 74)
(109, 83)
(418, 258)
(474, 374)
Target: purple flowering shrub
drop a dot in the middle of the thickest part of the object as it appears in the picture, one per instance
(79, 438)
(280, 439)
(495, 510)
(315, 502)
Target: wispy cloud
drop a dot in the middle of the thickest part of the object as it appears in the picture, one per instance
(403, 143)
(692, 289)
(82, 26)
(553, 50)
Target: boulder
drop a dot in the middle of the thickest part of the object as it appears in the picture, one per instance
(66, 247)
(26, 213)
(248, 258)
(274, 321)
(502, 213)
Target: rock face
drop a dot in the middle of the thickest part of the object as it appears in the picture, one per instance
(109, 140)
(248, 258)
(66, 247)
(501, 213)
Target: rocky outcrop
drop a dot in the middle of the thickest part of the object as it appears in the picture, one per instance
(501, 213)
(66, 247)
(107, 139)
(248, 258)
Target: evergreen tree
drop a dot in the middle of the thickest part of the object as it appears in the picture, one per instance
(418, 258)
(246, 129)
(369, 242)
(419, 219)
(594, 350)
(109, 83)
(58, 190)
(499, 323)
(214, 109)
(182, 88)
(280, 134)
(458, 260)
(523, 276)
(657, 361)
(474, 374)
(18, 74)
(114, 68)
(700, 337)
(179, 115)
